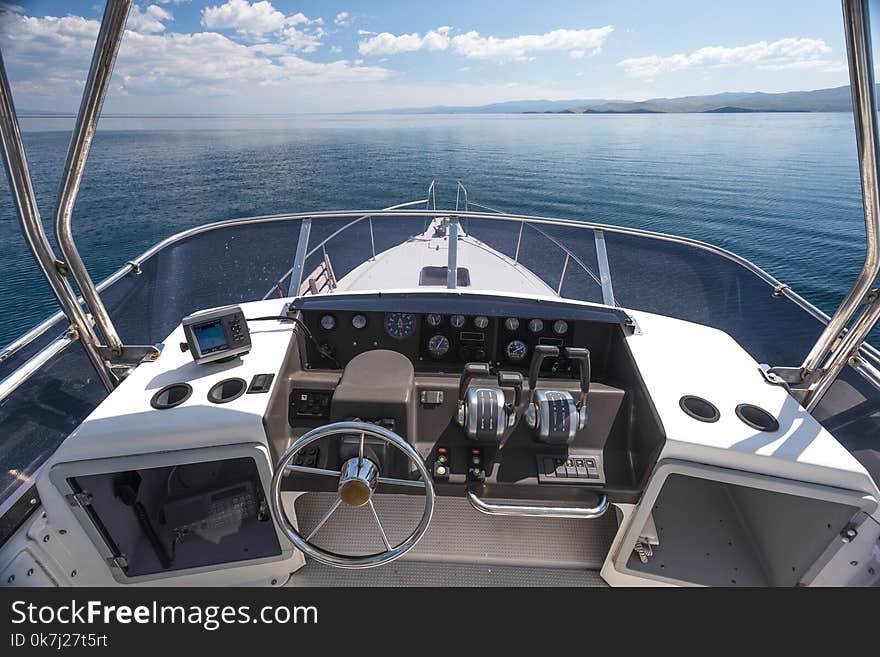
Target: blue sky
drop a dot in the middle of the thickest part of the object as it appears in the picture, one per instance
(308, 56)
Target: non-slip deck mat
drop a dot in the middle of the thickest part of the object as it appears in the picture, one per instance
(460, 534)
(415, 573)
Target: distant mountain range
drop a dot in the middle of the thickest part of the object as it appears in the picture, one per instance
(837, 99)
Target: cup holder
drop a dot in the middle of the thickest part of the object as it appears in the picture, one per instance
(227, 391)
(171, 396)
(756, 417)
(699, 408)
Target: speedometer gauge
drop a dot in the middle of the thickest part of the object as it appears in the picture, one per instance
(438, 346)
(400, 326)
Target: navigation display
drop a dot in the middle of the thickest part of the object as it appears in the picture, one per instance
(210, 337)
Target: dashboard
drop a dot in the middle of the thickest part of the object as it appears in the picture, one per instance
(441, 342)
(411, 361)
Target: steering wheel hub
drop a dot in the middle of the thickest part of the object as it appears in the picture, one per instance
(358, 481)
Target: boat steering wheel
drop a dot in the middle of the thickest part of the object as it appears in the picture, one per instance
(358, 480)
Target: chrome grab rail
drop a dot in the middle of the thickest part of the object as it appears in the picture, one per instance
(33, 365)
(459, 191)
(25, 201)
(835, 345)
(868, 365)
(496, 509)
(303, 244)
(569, 254)
(106, 50)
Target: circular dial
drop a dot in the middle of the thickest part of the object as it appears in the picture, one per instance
(434, 319)
(511, 324)
(560, 327)
(438, 346)
(481, 321)
(457, 321)
(328, 322)
(516, 351)
(536, 326)
(400, 326)
(359, 321)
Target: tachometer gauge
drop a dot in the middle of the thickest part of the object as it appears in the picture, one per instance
(400, 326)
(438, 346)
(481, 322)
(434, 319)
(536, 326)
(560, 327)
(328, 322)
(457, 321)
(359, 322)
(511, 324)
(516, 351)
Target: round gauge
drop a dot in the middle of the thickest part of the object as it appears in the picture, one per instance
(560, 327)
(438, 346)
(516, 351)
(457, 321)
(481, 322)
(400, 326)
(511, 324)
(328, 322)
(536, 326)
(434, 319)
(359, 321)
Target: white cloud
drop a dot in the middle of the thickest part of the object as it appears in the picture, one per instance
(50, 57)
(797, 53)
(244, 17)
(473, 46)
(342, 19)
(301, 40)
(149, 20)
(257, 19)
(390, 44)
(300, 18)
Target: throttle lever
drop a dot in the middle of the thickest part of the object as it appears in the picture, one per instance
(512, 380)
(539, 355)
(582, 356)
(471, 370)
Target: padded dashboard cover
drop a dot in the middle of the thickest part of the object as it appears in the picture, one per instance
(376, 385)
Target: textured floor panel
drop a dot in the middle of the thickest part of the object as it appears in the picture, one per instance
(460, 534)
(414, 573)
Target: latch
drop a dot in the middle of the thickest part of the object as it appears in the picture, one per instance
(118, 562)
(81, 499)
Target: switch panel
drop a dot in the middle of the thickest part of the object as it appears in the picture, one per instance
(310, 405)
(571, 469)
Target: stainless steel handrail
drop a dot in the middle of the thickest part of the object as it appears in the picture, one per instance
(833, 345)
(21, 374)
(278, 285)
(106, 50)
(780, 289)
(459, 190)
(529, 511)
(867, 351)
(15, 159)
(568, 252)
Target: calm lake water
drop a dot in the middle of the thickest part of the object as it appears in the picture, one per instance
(779, 189)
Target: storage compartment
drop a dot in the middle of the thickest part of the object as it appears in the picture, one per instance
(148, 521)
(721, 533)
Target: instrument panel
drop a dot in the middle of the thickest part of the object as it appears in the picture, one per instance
(441, 342)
